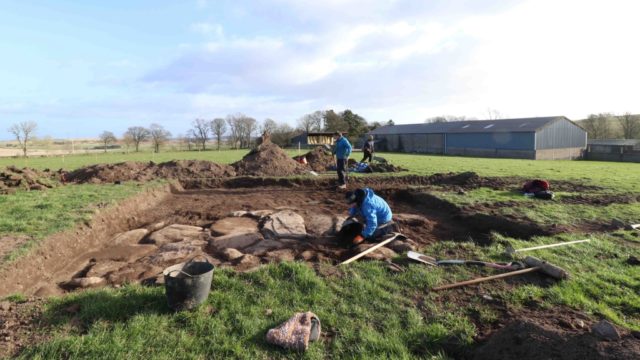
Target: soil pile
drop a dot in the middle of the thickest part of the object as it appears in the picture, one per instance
(319, 159)
(13, 178)
(268, 159)
(139, 171)
(384, 167)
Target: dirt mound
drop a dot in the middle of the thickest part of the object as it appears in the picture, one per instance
(13, 178)
(526, 340)
(268, 159)
(384, 168)
(182, 170)
(320, 159)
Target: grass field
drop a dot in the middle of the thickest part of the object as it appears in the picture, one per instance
(366, 311)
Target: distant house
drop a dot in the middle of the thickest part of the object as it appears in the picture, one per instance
(312, 139)
(526, 138)
(627, 150)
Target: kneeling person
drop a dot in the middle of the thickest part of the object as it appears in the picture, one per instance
(375, 211)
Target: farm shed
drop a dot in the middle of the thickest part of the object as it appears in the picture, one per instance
(313, 139)
(527, 138)
(627, 150)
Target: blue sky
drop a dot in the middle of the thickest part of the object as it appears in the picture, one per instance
(80, 67)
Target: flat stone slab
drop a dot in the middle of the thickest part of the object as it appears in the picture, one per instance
(103, 268)
(235, 241)
(176, 233)
(132, 237)
(234, 225)
(283, 224)
(378, 254)
(265, 246)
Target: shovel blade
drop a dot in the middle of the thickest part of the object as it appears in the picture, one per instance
(422, 258)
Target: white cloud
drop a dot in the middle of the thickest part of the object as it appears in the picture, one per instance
(208, 29)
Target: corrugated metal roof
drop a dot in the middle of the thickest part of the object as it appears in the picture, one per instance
(470, 126)
(616, 142)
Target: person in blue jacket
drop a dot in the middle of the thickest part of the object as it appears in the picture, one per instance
(375, 211)
(342, 151)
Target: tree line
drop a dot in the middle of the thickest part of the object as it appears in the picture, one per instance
(238, 131)
(611, 126)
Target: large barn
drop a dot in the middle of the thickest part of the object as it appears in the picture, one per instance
(528, 138)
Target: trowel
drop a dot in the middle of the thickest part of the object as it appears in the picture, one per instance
(422, 258)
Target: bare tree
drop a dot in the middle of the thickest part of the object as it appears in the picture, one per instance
(127, 140)
(598, 125)
(137, 134)
(242, 128)
(311, 122)
(159, 136)
(282, 135)
(630, 125)
(24, 132)
(107, 138)
(200, 131)
(218, 127)
(493, 114)
(269, 126)
(445, 118)
(249, 126)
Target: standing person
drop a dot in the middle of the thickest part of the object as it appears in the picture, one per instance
(341, 151)
(367, 149)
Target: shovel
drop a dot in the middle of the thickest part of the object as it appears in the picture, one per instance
(422, 258)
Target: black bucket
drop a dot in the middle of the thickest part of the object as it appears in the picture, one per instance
(187, 285)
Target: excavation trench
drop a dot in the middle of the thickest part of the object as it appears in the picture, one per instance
(247, 223)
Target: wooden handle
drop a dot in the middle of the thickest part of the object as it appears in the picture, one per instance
(487, 278)
(373, 248)
(552, 245)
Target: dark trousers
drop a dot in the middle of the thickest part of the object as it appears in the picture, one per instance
(342, 171)
(367, 154)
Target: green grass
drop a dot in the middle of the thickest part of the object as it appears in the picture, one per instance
(367, 311)
(72, 162)
(38, 214)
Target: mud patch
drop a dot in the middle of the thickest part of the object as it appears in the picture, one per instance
(20, 325)
(599, 200)
(523, 339)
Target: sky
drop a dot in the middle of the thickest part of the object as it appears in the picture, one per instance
(78, 68)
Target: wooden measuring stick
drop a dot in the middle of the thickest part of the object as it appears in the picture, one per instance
(373, 248)
(551, 245)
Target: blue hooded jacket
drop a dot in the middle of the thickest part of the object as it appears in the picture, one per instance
(343, 148)
(374, 209)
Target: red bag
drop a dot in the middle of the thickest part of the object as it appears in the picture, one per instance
(535, 186)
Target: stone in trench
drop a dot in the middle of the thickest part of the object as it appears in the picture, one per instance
(176, 233)
(134, 273)
(259, 214)
(102, 268)
(173, 252)
(401, 246)
(85, 282)
(270, 245)
(285, 223)
(338, 220)
(605, 330)
(5, 306)
(125, 253)
(307, 255)
(382, 253)
(234, 225)
(230, 254)
(279, 255)
(320, 224)
(236, 241)
(246, 262)
(132, 237)
(157, 226)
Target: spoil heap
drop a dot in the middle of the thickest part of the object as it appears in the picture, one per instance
(13, 178)
(268, 159)
(142, 171)
(319, 159)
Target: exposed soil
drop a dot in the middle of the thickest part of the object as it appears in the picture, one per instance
(12, 179)
(319, 159)
(268, 159)
(182, 170)
(600, 200)
(20, 325)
